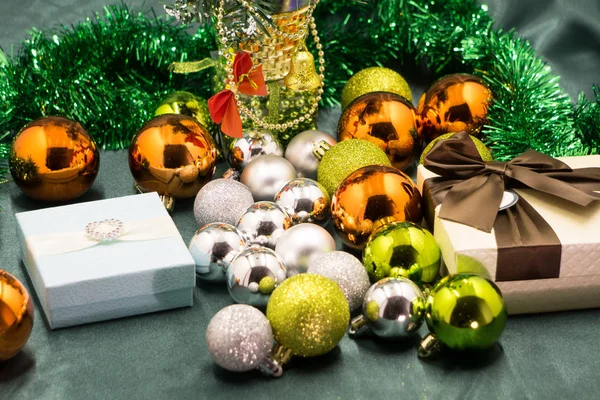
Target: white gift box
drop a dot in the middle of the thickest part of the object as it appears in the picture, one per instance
(578, 229)
(79, 279)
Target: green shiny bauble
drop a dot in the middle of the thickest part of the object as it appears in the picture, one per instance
(309, 314)
(346, 157)
(374, 79)
(484, 152)
(186, 103)
(466, 312)
(402, 249)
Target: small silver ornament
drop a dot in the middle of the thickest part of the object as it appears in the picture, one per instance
(345, 270)
(254, 274)
(299, 152)
(251, 145)
(213, 247)
(301, 244)
(263, 224)
(304, 200)
(265, 175)
(221, 200)
(240, 338)
(393, 308)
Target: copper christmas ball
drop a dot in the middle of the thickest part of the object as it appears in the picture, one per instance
(387, 120)
(371, 197)
(454, 103)
(54, 159)
(16, 316)
(172, 155)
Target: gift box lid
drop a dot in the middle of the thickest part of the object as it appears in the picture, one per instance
(157, 261)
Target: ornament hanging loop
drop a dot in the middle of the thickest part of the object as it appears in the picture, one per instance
(358, 326)
(429, 347)
(320, 148)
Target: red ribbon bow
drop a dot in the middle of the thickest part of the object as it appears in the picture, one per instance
(248, 79)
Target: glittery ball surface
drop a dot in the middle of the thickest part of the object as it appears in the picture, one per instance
(345, 270)
(309, 314)
(346, 157)
(375, 79)
(239, 337)
(222, 200)
(484, 151)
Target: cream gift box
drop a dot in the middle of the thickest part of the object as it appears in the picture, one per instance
(80, 280)
(577, 284)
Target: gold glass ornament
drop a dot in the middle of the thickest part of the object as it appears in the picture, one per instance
(172, 155)
(370, 197)
(387, 120)
(54, 159)
(454, 103)
(16, 316)
(186, 103)
(374, 79)
(303, 75)
(482, 149)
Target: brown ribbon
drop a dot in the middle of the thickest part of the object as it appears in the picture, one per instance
(475, 199)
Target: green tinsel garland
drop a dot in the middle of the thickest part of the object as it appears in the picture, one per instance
(109, 73)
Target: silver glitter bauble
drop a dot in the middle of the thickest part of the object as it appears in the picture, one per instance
(345, 270)
(254, 274)
(251, 145)
(263, 223)
(213, 247)
(392, 308)
(240, 338)
(299, 152)
(221, 200)
(265, 175)
(301, 244)
(304, 200)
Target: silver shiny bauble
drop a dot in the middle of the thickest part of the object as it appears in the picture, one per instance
(213, 247)
(345, 270)
(301, 244)
(393, 308)
(265, 175)
(254, 274)
(221, 200)
(239, 338)
(251, 145)
(263, 223)
(304, 200)
(299, 152)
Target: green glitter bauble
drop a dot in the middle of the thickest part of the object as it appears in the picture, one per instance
(266, 285)
(374, 79)
(309, 314)
(346, 157)
(484, 152)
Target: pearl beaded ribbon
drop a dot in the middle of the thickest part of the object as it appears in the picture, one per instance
(128, 231)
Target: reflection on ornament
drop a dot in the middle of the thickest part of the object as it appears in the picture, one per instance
(393, 309)
(253, 144)
(54, 159)
(454, 103)
(402, 249)
(186, 103)
(16, 316)
(299, 152)
(370, 196)
(172, 155)
(304, 200)
(309, 315)
(374, 79)
(265, 175)
(463, 312)
(303, 75)
(263, 224)
(387, 120)
(301, 244)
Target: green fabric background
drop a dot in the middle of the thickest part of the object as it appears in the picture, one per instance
(164, 356)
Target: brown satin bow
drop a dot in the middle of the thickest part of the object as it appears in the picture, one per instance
(475, 200)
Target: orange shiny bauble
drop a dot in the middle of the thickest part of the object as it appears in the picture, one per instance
(16, 316)
(387, 120)
(370, 197)
(172, 155)
(54, 159)
(454, 103)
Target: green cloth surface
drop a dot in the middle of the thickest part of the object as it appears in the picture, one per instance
(164, 355)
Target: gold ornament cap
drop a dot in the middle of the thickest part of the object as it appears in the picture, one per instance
(320, 148)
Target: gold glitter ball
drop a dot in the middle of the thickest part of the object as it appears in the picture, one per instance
(346, 157)
(309, 314)
(375, 79)
(484, 151)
